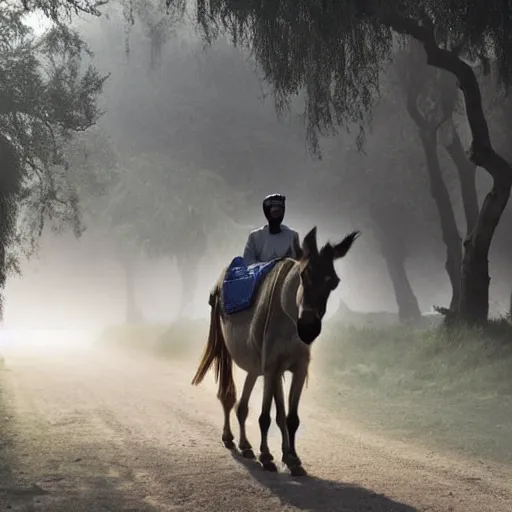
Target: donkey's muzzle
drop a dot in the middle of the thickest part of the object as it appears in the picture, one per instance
(309, 328)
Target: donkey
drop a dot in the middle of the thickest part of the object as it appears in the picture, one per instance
(272, 336)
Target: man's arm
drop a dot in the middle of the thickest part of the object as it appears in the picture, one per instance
(250, 255)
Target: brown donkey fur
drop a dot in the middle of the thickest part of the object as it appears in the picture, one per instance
(272, 336)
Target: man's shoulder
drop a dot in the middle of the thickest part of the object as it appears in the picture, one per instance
(288, 229)
(258, 231)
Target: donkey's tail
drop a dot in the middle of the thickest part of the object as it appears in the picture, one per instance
(217, 352)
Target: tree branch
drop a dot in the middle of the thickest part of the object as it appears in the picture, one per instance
(481, 151)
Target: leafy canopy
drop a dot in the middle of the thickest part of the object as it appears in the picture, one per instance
(47, 95)
(333, 49)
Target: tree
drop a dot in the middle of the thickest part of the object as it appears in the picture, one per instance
(426, 106)
(385, 189)
(57, 10)
(10, 186)
(212, 99)
(333, 50)
(393, 247)
(46, 96)
(164, 209)
(431, 100)
(395, 194)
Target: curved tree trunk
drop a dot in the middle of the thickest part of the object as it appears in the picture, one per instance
(467, 178)
(414, 77)
(474, 299)
(408, 308)
(394, 251)
(449, 230)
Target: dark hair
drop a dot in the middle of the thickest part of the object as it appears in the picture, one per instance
(278, 198)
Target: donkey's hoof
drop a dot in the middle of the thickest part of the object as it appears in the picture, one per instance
(266, 460)
(298, 471)
(269, 466)
(265, 457)
(248, 454)
(229, 444)
(291, 460)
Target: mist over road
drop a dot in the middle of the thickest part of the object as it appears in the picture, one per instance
(82, 429)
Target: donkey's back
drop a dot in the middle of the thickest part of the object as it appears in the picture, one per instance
(261, 334)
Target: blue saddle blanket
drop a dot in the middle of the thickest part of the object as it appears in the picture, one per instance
(241, 283)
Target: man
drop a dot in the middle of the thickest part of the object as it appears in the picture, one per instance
(274, 240)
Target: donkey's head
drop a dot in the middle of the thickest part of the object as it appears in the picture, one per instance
(318, 279)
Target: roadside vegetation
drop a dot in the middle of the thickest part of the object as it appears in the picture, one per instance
(442, 388)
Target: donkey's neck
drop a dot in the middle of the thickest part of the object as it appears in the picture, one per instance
(289, 293)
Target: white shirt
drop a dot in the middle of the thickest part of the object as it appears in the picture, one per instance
(263, 246)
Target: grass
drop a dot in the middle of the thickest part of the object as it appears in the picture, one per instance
(430, 360)
(444, 389)
(447, 389)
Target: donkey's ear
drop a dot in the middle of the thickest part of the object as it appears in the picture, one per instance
(344, 246)
(309, 247)
(297, 249)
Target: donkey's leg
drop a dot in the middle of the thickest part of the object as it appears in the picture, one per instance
(242, 410)
(228, 401)
(291, 460)
(292, 420)
(266, 457)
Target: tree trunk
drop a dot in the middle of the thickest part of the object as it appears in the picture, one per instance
(414, 78)
(393, 250)
(474, 298)
(449, 230)
(132, 313)
(467, 178)
(408, 308)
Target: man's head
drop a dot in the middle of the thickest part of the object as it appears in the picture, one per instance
(274, 209)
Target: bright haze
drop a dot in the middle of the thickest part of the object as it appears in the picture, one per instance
(188, 126)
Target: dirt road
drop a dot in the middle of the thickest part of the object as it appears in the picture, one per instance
(83, 430)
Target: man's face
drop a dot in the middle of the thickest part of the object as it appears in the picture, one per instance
(276, 211)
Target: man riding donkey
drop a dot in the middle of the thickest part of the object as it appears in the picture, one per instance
(274, 240)
(267, 310)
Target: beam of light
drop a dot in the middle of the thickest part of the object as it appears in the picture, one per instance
(34, 341)
(37, 22)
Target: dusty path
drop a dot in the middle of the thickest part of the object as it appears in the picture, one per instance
(86, 431)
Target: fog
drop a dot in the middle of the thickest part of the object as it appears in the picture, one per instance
(206, 110)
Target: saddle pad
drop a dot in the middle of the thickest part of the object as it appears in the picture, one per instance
(241, 283)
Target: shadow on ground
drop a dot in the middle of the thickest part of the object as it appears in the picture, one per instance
(319, 495)
(98, 494)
